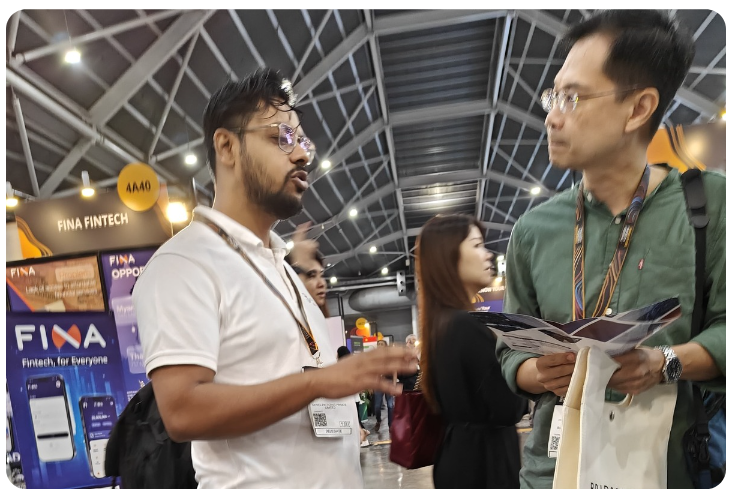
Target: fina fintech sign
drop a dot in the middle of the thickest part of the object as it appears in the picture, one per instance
(78, 225)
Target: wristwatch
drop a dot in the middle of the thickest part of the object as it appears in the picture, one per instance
(672, 368)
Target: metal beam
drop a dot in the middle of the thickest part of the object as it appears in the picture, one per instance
(697, 102)
(544, 21)
(12, 33)
(311, 44)
(217, 54)
(75, 190)
(65, 167)
(442, 111)
(94, 35)
(177, 149)
(354, 41)
(362, 138)
(496, 226)
(172, 93)
(101, 135)
(24, 143)
(153, 58)
(338, 257)
(349, 122)
(521, 116)
(338, 91)
(460, 176)
(414, 21)
(246, 37)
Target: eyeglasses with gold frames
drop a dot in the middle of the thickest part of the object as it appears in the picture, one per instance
(567, 101)
(287, 139)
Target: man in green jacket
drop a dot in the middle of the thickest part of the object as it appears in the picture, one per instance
(624, 241)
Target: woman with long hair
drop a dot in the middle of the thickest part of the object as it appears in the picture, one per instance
(461, 377)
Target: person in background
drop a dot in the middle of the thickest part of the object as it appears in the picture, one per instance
(379, 396)
(460, 374)
(409, 380)
(308, 263)
(342, 352)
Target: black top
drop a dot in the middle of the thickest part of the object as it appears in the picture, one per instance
(481, 447)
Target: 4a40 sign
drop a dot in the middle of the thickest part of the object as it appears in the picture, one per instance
(138, 186)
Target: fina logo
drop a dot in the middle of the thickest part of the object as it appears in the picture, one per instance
(22, 272)
(59, 336)
(122, 261)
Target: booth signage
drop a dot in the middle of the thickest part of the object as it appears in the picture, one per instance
(70, 285)
(489, 299)
(63, 373)
(121, 271)
(138, 187)
(78, 225)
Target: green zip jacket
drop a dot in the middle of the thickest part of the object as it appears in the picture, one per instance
(660, 264)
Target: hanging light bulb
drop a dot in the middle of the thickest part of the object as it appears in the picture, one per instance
(87, 189)
(384, 271)
(10, 200)
(190, 159)
(73, 56)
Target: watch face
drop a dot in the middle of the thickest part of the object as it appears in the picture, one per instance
(673, 370)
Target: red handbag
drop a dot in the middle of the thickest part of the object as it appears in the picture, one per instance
(416, 432)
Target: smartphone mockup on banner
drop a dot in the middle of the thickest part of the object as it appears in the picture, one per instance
(99, 415)
(51, 419)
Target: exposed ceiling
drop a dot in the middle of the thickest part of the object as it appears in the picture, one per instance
(419, 112)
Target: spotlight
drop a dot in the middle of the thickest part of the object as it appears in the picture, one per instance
(73, 56)
(353, 212)
(326, 164)
(87, 190)
(289, 245)
(373, 249)
(332, 280)
(535, 191)
(500, 258)
(10, 200)
(190, 159)
(176, 212)
(384, 271)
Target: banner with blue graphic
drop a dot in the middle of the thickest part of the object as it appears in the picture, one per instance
(121, 270)
(64, 382)
(490, 299)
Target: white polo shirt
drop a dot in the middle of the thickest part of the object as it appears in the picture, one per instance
(198, 302)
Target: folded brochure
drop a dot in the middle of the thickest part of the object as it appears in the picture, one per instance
(613, 335)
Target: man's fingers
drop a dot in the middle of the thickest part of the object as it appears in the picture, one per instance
(558, 383)
(545, 375)
(556, 359)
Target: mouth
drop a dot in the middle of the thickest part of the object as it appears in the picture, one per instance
(300, 179)
(556, 143)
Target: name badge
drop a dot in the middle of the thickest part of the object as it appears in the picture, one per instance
(555, 431)
(332, 418)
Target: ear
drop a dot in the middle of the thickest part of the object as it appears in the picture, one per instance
(644, 104)
(226, 147)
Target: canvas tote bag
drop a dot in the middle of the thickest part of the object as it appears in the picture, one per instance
(612, 445)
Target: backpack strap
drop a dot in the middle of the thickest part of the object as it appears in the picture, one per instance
(695, 197)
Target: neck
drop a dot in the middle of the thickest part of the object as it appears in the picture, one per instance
(250, 216)
(614, 184)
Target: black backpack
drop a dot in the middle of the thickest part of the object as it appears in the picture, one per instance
(140, 452)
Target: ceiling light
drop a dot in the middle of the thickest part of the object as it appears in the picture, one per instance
(332, 280)
(723, 115)
(10, 200)
(326, 164)
(535, 191)
(73, 56)
(373, 249)
(190, 159)
(384, 271)
(87, 189)
(176, 212)
(353, 212)
(500, 258)
(289, 245)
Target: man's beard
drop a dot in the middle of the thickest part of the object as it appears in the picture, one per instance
(280, 204)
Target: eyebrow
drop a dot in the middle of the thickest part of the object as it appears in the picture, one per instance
(571, 86)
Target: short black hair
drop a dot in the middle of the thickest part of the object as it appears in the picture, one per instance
(236, 102)
(649, 49)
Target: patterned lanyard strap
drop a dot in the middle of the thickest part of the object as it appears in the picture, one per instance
(615, 267)
(305, 328)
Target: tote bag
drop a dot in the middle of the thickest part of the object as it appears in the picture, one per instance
(415, 433)
(612, 445)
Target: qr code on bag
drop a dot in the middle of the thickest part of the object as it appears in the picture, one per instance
(555, 439)
(319, 419)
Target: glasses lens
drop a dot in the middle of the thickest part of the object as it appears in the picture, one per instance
(310, 149)
(546, 99)
(287, 138)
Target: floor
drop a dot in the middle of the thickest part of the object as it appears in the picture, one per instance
(380, 473)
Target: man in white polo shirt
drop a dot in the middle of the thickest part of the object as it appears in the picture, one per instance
(227, 328)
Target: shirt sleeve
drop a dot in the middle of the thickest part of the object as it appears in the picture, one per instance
(519, 299)
(713, 335)
(177, 306)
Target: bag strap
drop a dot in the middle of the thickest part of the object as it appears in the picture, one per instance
(695, 197)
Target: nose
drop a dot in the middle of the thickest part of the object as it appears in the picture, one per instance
(321, 283)
(298, 156)
(554, 120)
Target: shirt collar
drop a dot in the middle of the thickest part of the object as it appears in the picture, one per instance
(241, 233)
